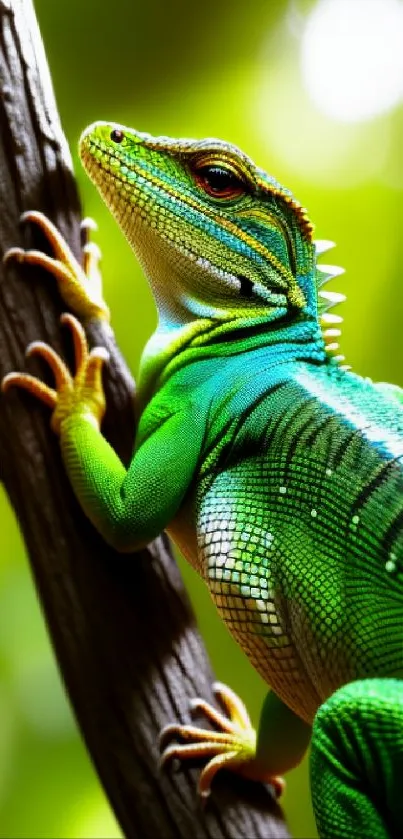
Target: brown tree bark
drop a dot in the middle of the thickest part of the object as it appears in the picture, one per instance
(121, 626)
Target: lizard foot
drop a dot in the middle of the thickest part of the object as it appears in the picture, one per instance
(81, 394)
(80, 287)
(232, 747)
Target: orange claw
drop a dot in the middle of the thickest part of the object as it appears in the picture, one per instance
(13, 253)
(58, 367)
(232, 747)
(81, 394)
(32, 385)
(80, 287)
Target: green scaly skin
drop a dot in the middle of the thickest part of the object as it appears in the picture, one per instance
(277, 471)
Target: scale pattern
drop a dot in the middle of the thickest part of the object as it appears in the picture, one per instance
(355, 733)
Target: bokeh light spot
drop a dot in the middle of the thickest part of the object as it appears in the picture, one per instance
(352, 57)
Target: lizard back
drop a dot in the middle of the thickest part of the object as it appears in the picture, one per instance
(299, 513)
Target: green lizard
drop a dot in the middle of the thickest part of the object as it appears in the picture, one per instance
(275, 469)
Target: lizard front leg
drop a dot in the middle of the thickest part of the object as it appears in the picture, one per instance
(129, 507)
(79, 286)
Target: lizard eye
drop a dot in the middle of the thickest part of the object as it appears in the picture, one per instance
(219, 181)
(117, 135)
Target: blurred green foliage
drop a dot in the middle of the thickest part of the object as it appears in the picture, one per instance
(230, 69)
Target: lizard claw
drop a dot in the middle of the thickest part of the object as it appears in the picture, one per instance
(80, 394)
(87, 225)
(12, 254)
(80, 287)
(232, 746)
(32, 385)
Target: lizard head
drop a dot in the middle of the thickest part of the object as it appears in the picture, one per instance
(217, 237)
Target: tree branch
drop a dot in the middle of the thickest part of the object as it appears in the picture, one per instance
(121, 626)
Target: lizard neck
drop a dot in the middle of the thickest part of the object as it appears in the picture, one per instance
(170, 349)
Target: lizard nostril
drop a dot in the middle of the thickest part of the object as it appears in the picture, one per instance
(116, 135)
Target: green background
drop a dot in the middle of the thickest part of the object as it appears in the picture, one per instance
(230, 69)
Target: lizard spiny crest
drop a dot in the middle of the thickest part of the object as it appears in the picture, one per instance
(329, 322)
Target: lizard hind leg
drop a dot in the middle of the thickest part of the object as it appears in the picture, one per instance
(232, 746)
(357, 761)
